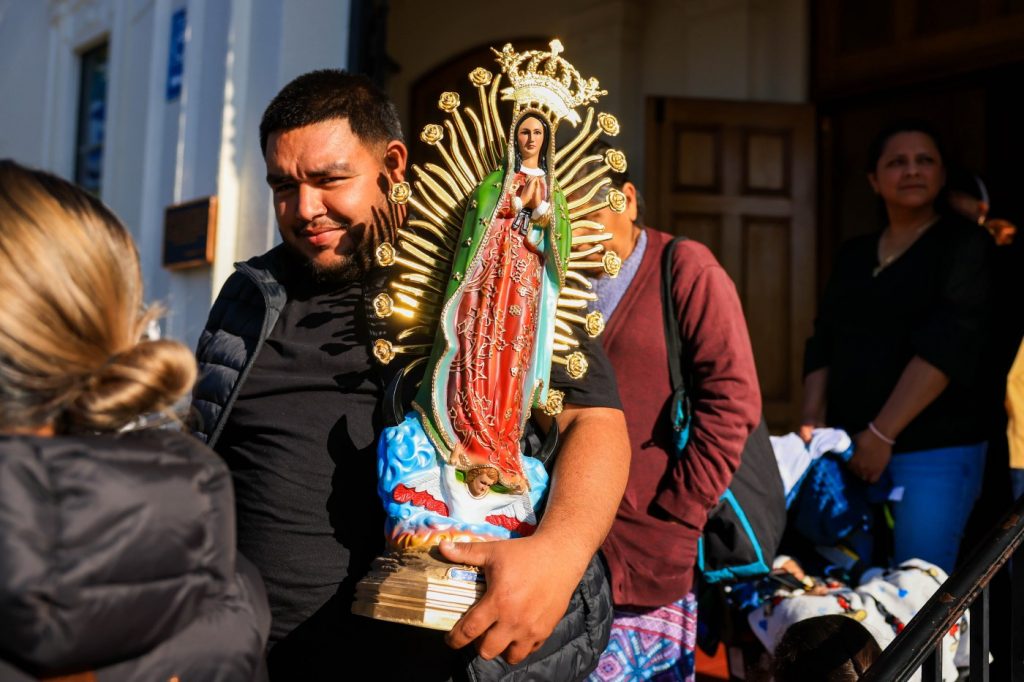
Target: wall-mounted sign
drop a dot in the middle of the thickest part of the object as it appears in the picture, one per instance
(190, 230)
(176, 58)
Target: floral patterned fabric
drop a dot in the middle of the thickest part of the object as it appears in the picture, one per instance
(651, 645)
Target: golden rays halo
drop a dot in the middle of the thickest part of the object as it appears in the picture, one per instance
(470, 143)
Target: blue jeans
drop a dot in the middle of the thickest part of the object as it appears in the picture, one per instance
(939, 490)
(1017, 482)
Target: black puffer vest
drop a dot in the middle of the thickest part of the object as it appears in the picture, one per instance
(117, 557)
(242, 318)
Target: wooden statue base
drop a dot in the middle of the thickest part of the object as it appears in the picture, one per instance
(418, 588)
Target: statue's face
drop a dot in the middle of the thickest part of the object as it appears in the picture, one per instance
(530, 139)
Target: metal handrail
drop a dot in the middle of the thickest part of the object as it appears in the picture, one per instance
(922, 636)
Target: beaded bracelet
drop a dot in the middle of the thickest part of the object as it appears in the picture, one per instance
(885, 439)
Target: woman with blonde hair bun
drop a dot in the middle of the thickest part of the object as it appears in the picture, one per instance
(117, 557)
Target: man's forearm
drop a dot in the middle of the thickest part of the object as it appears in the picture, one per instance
(588, 482)
(530, 581)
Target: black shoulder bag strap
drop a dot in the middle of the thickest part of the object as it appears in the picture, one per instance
(680, 408)
(742, 534)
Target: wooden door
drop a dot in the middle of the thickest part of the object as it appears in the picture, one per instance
(740, 178)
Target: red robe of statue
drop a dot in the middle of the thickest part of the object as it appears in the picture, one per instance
(496, 324)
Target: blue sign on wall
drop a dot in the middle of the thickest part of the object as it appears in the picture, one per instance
(176, 59)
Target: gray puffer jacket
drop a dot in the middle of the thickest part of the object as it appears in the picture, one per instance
(117, 556)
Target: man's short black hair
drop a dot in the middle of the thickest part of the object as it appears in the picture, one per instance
(329, 94)
(601, 147)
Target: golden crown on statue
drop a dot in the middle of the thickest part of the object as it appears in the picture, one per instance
(548, 83)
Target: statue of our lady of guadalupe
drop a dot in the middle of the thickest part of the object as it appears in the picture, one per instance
(485, 270)
(497, 327)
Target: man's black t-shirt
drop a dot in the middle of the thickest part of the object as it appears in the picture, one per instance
(301, 443)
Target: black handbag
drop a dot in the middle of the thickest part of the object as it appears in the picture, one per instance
(743, 530)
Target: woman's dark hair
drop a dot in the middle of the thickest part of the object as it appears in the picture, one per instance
(833, 648)
(910, 125)
(543, 160)
(618, 180)
(907, 125)
(959, 179)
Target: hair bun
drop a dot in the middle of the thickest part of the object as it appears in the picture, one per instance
(148, 377)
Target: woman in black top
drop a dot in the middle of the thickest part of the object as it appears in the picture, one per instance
(895, 348)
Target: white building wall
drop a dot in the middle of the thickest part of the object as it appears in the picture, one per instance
(23, 82)
(238, 54)
(125, 162)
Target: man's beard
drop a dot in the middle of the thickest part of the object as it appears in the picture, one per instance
(356, 265)
(347, 268)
